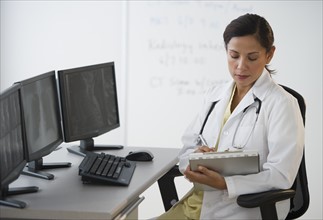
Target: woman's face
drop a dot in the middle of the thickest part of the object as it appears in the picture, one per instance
(247, 60)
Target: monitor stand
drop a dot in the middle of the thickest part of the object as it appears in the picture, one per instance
(34, 168)
(87, 145)
(6, 191)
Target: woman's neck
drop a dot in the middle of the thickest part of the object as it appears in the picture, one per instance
(238, 95)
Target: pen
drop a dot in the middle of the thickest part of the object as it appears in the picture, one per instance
(202, 140)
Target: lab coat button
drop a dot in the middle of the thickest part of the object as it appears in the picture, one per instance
(226, 133)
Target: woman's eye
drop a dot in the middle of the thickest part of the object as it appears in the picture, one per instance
(252, 58)
(234, 56)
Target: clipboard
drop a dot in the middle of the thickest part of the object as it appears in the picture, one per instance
(227, 163)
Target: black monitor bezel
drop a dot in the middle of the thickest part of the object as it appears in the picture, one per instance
(63, 88)
(15, 172)
(45, 150)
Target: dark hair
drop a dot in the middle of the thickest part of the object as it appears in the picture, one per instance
(250, 24)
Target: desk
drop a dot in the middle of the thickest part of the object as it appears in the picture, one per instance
(66, 197)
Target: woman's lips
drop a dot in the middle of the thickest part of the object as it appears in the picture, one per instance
(241, 77)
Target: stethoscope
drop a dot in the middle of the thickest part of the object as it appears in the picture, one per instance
(244, 112)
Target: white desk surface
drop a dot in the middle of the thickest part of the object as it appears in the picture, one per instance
(66, 197)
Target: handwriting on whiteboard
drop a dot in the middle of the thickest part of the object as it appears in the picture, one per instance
(184, 87)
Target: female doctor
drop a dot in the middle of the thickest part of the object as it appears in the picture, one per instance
(251, 112)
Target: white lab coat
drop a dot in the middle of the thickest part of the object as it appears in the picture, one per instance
(278, 137)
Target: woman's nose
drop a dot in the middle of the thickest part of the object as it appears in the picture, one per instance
(241, 63)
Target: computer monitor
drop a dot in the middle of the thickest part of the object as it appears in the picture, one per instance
(12, 155)
(42, 123)
(89, 105)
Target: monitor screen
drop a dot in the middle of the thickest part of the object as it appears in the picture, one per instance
(41, 117)
(89, 102)
(12, 158)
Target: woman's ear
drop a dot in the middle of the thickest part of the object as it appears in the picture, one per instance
(270, 54)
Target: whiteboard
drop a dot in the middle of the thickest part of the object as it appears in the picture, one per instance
(176, 51)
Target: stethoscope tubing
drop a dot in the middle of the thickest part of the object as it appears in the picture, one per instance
(241, 119)
(244, 112)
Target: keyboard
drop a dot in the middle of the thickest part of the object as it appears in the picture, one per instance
(106, 169)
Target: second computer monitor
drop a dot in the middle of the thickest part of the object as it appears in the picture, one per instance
(42, 121)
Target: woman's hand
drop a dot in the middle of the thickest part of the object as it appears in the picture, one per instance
(203, 149)
(206, 176)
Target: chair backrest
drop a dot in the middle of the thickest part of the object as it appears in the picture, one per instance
(300, 203)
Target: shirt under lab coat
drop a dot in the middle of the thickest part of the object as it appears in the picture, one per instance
(278, 137)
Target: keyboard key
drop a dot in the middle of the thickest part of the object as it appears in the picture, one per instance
(101, 167)
(108, 166)
(118, 170)
(89, 164)
(96, 165)
(114, 166)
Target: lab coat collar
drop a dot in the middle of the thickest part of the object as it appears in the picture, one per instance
(262, 86)
(225, 93)
(259, 89)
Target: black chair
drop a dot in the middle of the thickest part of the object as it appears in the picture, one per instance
(298, 194)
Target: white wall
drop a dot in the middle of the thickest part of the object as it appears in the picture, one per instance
(166, 54)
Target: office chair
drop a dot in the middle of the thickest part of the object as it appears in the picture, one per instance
(298, 194)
